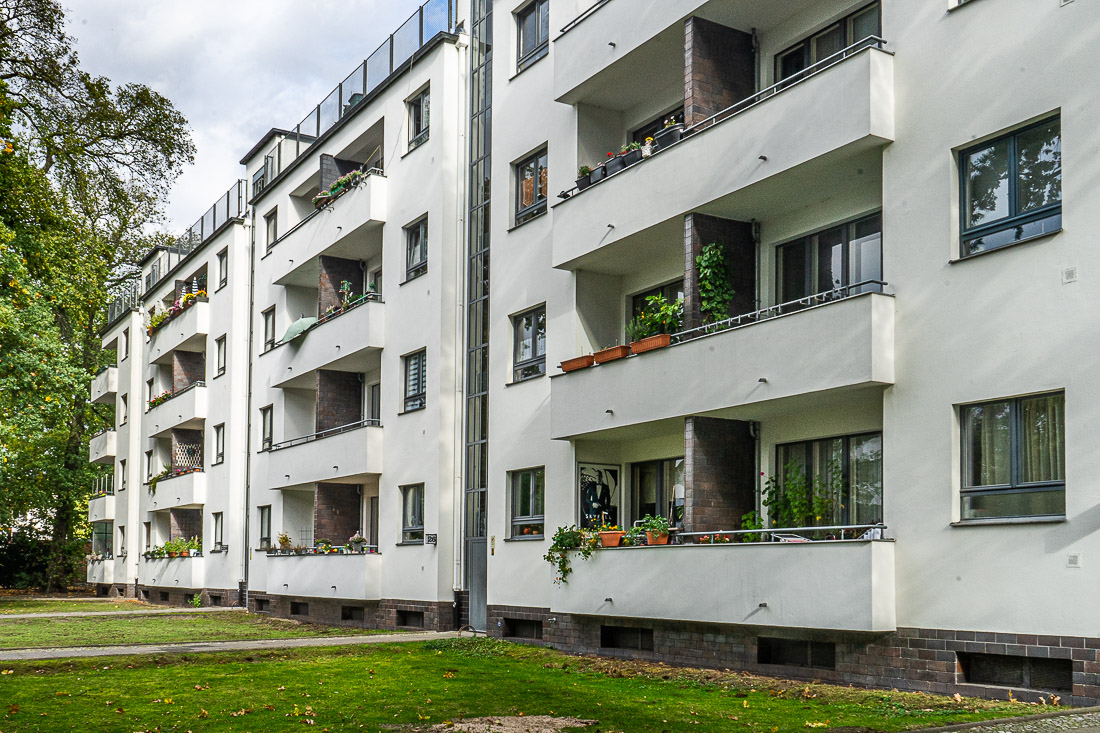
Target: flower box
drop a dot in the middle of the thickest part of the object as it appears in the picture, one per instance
(631, 157)
(611, 539)
(577, 362)
(611, 354)
(598, 174)
(668, 136)
(656, 538)
(584, 182)
(614, 165)
(657, 341)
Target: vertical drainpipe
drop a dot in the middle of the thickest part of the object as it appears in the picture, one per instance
(247, 548)
(457, 539)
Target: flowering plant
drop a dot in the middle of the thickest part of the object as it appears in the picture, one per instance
(609, 528)
(160, 399)
(715, 539)
(356, 539)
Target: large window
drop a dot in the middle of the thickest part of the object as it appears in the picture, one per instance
(529, 354)
(533, 23)
(847, 257)
(1012, 188)
(269, 328)
(416, 380)
(847, 31)
(416, 248)
(1014, 457)
(531, 187)
(830, 482)
(528, 488)
(265, 527)
(412, 513)
(267, 426)
(102, 534)
(657, 489)
(419, 118)
(671, 292)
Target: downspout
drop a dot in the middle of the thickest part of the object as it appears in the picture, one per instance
(458, 503)
(248, 407)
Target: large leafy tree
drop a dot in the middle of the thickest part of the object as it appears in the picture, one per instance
(85, 168)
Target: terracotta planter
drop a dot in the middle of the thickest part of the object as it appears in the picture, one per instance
(611, 539)
(611, 354)
(172, 554)
(656, 538)
(658, 341)
(577, 362)
(185, 553)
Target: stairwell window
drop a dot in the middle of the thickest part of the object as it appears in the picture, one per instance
(269, 328)
(412, 514)
(223, 268)
(265, 527)
(1012, 188)
(419, 118)
(416, 249)
(219, 443)
(1014, 457)
(531, 187)
(219, 343)
(533, 25)
(218, 531)
(528, 488)
(122, 475)
(271, 227)
(416, 381)
(123, 409)
(267, 423)
(529, 354)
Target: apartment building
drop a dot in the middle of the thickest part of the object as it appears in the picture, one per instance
(872, 450)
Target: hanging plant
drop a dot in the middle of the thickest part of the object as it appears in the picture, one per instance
(715, 291)
(566, 540)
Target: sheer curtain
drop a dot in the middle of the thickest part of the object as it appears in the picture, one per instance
(1043, 439)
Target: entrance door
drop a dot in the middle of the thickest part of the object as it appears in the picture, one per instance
(477, 581)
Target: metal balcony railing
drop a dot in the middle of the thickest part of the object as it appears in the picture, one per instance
(168, 396)
(833, 533)
(103, 486)
(127, 298)
(369, 422)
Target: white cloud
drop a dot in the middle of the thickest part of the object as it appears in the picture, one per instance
(235, 68)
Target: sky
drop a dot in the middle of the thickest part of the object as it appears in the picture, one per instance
(234, 68)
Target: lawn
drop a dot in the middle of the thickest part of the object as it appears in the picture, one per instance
(20, 605)
(417, 685)
(159, 629)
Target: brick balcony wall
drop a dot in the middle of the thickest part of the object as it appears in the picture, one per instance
(336, 512)
(188, 367)
(339, 399)
(333, 271)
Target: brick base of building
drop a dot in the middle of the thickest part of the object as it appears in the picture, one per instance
(113, 590)
(172, 596)
(388, 613)
(909, 659)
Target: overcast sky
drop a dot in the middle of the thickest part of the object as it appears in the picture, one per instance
(235, 68)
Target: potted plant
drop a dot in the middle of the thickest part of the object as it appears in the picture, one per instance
(613, 164)
(577, 362)
(566, 540)
(357, 541)
(284, 543)
(611, 535)
(672, 133)
(631, 154)
(633, 537)
(584, 177)
(648, 148)
(656, 530)
(653, 327)
(611, 353)
(598, 173)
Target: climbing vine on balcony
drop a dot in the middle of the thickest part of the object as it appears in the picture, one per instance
(715, 291)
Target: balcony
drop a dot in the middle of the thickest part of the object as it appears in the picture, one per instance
(339, 455)
(172, 572)
(101, 508)
(103, 447)
(842, 585)
(183, 491)
(105, 386)
(185, 408)
(187, 331)
(342, 342)
(774, 147)
(357, 577)
(770, 364)
(103, 571)
(339, 230)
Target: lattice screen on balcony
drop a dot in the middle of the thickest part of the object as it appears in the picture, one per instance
(187, 454)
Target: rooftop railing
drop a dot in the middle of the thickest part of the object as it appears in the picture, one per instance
(127, 298)
(429, 20)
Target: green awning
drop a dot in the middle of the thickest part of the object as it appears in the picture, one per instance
(297, 328)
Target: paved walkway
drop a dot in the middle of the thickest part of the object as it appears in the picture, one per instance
(198, 647)
(155, 611)
(1086, 720)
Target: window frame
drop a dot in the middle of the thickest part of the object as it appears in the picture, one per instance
(148, 465)
(419, 110)
(122, 474)
(271, 228)
(541, 48)
(125, 344)
(124, 402)
(223, 268)
(417, 400)
(416, 232)
(538, 361)
(219, 530)
(267, 427)
(664, 494)
(219, 444)
(812, 261)
(845, 468)
(517, 521)
(264, 520)
(1014, 218)
(1015, 485)
(805, 44)
(409, 531)
(541, 160)
(220, 355)
(269, 328)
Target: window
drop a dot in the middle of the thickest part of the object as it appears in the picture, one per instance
(847, 258)
(533, 23)
(122, 475)
(840, 478)
(1005, 670)
(528, 488)
(122, 540)
(531, 186)
(654, 126)
(1012, 188)
(416, 381)
(148, 526)
(223, 268)
(101, 538)
(148, 465)
(265, 527)
(267, 427)
(125, 342)
(671, 292)
(412, 513)
(269, 328)
(219, 343)
(218, 530)
(271, 226)
(1014, 457)
(416, 247)
(529, 353)
(123, 409)
(149, 391)
(846, 32)
(219, 443)
(374, 282)
(626, 637)
(418, 119)
(374, 403)
(658, 490)
(796, 653)
(258, 181)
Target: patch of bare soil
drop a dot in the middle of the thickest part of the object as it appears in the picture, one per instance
(514, 724)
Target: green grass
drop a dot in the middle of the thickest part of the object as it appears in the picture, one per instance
(9, 606)
(162, 629)
(402, 686)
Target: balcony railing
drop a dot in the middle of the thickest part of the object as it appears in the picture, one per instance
(365, 169)
(103, 486)
(227, 208)
(168, 396)
(583, 16)
(127, 298)
(836, 533)
(745, 104)
(429, 20)
(369, 422)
